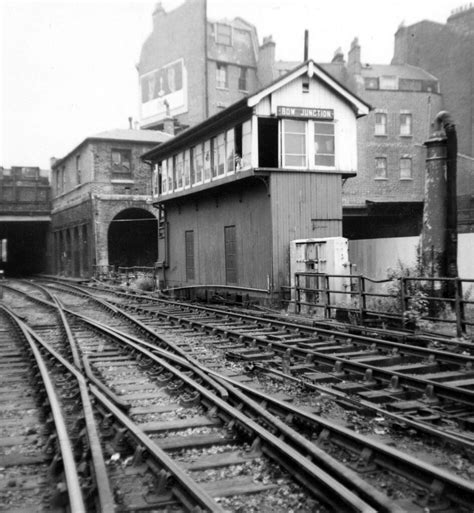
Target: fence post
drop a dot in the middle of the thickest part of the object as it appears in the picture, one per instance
(327, 310)
(403, 298)
(297, 294)
(459, 308)
(362, 299)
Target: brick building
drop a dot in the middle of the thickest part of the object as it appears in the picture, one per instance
(100, 203)
(447, 51)
(24, 219)
(215, 64)
(385, 199)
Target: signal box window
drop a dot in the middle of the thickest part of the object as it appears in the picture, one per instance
(406, 172)
(230, 247)
(221, 76)
(380, 123)
(324, 154)
(223, 34)
(381, 168)
(121, 162)
(405, 124)
(294, 143)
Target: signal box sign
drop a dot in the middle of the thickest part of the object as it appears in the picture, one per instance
(306, 113)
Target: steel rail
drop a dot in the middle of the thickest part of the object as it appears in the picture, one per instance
(71, 473)
(416, 424)
(459, 491)
(455, 394)
(192, 489)
(383, 455)
(336, 494)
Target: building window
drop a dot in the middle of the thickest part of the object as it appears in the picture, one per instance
(294, 143)
(230, 244)
(243, 79)
(324, 153)
(179, 171)
(187, 170)
(388, 82)
(406, 169)
(223, 34)
(221, 154)
(78, 169)
(121, 162)
(214, 157)
(380, 123)
(198, 163)
(189, 252)
(207, 160)
(230, 151)
(221, 76)
(381, 168)
(371, 83)
(405, 84)
(405, 124)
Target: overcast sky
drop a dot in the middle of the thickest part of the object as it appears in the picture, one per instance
(68, 66)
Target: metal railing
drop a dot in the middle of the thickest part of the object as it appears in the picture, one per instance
(402, 300)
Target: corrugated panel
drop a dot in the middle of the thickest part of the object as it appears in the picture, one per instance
(304, 205)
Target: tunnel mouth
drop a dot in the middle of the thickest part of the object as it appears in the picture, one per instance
(133, 239)
(23, 248)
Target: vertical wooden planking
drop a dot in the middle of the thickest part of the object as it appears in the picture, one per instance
(248, 209)
(304, 205)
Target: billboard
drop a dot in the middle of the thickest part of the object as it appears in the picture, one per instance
(163, 93)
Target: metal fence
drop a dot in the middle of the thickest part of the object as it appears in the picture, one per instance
(402, 301)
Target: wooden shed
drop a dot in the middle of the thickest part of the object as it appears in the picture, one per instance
(234, 190)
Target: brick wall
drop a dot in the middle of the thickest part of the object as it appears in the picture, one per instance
(448, 54)
(423, 107)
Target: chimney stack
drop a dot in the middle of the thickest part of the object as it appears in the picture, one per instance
(354, 65)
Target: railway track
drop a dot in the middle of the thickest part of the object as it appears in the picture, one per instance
(430, 386)
(344, 445)
(229, 454)
(38, 471)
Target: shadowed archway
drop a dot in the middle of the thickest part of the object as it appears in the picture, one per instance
(133, 238)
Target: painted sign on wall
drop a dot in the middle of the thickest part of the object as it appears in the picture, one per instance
(163, 92)
(305, 113)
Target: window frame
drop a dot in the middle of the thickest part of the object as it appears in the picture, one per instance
(121, 152)
(378, 132)
(409, 116)
(218, 35)
(222, 68)
(384, 159)
(304, 135)
(410, 160)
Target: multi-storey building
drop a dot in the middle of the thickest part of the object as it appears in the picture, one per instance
(447, 51)
(215, 64)
(385, 199)
(24, 219)
(100, 209)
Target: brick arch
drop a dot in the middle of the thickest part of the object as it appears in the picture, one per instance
(132, 238)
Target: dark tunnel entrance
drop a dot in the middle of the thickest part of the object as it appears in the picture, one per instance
(133, 239)
(25, 247)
